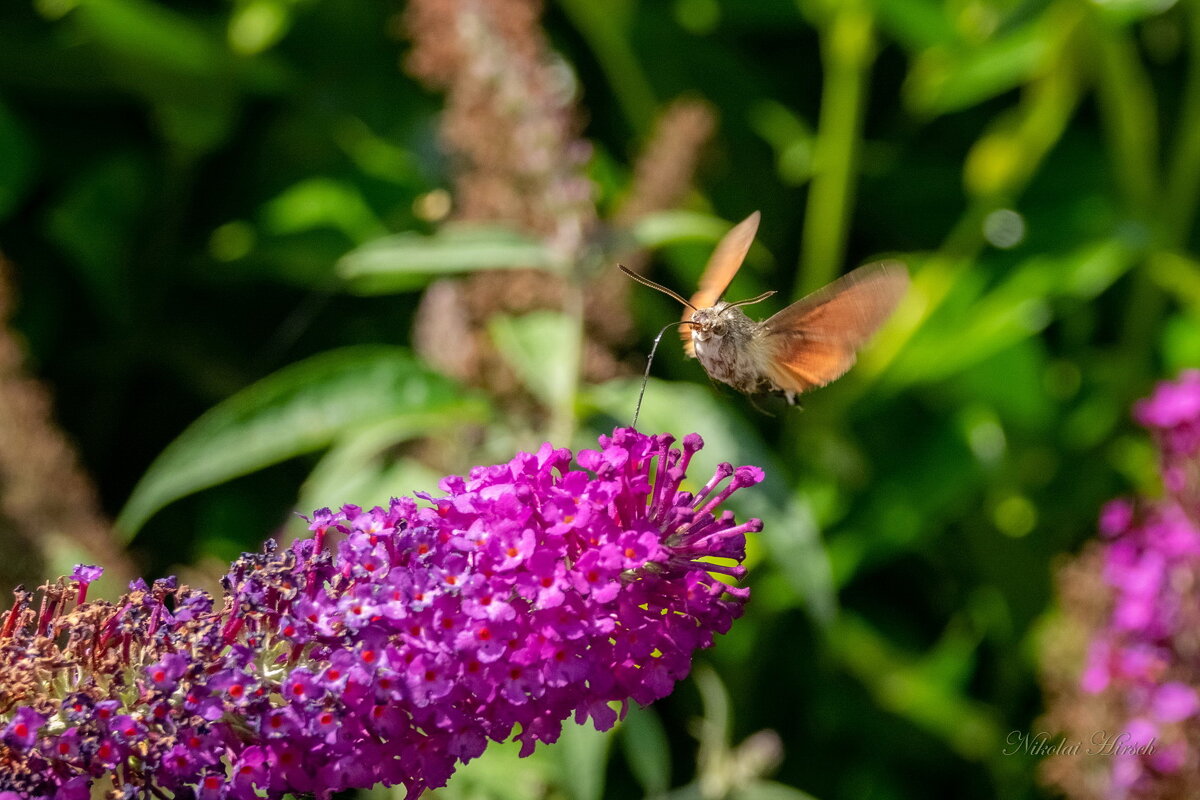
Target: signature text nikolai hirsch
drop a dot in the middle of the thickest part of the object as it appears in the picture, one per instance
(1101, 743)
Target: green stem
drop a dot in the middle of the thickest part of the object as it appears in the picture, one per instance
(1129, 114)
(562, 414)
(606, 28)
(847, 54)
(1183, 174)
(1128, 109)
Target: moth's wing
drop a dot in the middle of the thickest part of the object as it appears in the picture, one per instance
(722, 265)
(815, 340)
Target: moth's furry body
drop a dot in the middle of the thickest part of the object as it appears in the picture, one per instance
(733, 349)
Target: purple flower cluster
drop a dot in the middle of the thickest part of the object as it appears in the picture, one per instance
(1148, 655)
(389, 646)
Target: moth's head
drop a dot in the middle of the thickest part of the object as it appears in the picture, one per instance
(712, 322)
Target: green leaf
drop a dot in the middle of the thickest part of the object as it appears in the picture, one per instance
(647, 750)
(582, 754)
(297, 410)
(920, 690)
(1181, 342)
(407, 261)
(967, 331)
(607, 28)
(96, 221)
(791, 137)
(16, 160)
(944, 79)
(1177, 274)
(154, 35)
(769, 790)
(668, 227)
(916, 24)
(358, 468)
(317, 203)
(499, 774)
(542, 347)
(1128, 12)
(258, 25)
(713, 729)
(176, 62)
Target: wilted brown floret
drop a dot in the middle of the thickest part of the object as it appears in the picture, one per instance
(511, 126)
(662, 177)
(1085, 606)
(663, 173)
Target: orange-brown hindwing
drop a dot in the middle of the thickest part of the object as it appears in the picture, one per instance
(722, 265)
(816, 339)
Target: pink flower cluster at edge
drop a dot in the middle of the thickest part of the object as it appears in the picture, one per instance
(1152, 562)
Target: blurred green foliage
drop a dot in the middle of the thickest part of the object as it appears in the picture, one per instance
(213, 209)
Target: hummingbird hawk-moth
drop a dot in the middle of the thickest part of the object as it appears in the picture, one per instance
(806, 345)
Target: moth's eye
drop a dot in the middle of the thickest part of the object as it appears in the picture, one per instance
(719, 329)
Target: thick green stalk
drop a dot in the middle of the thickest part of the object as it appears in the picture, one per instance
(606, 27)
(847, 53)
(562, 414)
(1130, 116)
(1183, 173)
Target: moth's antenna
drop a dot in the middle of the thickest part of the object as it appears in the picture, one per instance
(650, 360)
(751, 301)
(653, 285)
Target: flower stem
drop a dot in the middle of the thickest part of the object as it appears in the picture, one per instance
(1127, 107)
(847, 53)
(1183, 174)
(562, 414)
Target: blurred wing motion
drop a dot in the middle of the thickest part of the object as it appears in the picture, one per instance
(722, 265)
(815, 340)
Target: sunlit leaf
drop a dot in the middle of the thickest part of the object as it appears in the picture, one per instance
(1181, 343)
(917, 24)
(965, 333)
(257, 25)
(669, 227)
(153, 33)
(542, 346)
(323, 203)
(1128, 12)
(499, 774)
(408, 261)
(947, 79)
(299, 409)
